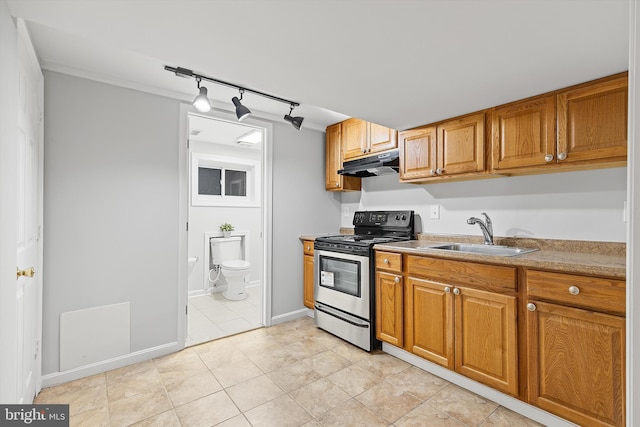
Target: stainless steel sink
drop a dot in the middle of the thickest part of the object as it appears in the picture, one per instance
(471, 248)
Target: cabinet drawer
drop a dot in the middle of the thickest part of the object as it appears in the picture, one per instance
(388, 261)
(589, 292)
(462, 272)
(308, 247)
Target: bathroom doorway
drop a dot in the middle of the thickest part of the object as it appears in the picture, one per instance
(226, 163)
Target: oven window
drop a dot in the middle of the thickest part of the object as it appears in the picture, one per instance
(340, 274)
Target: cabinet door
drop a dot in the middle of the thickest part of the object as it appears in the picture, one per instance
(592, 122)
(417, 153)
(354, 138)
(523, 134)
(461, 145)
(429, 321)
(389, 308)
(486, 338)
(333, 159)
(381, 138)
(577, 364)
(308, 281)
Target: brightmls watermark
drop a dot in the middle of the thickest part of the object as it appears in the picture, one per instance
(34, 415)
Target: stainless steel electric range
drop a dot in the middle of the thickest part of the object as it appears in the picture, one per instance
(344, 276)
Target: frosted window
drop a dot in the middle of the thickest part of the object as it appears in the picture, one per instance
(210, 181)
(235, 183)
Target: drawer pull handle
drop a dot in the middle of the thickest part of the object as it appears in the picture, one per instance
(574, 290)
(531, 307)
(386, 261)
(447, 290)
(456, 291)
(397, 280)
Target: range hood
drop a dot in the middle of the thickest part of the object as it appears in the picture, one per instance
(378, 164)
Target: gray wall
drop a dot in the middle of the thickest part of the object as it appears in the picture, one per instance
(111, 211)
(111, 208)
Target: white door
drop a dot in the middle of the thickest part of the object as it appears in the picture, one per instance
(29, 205)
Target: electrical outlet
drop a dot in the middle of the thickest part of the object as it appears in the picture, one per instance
(434, 212)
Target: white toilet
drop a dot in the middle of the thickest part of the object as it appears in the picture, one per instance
(227, 252)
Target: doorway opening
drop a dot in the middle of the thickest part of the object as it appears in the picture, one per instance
(227, 285)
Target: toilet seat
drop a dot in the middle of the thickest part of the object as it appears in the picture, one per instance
(236, 264)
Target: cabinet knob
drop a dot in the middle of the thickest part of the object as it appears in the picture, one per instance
(548, 158)
(562, 156)
(439, 171)
(433, 172)
(447, 290)
(456, 291)
(574, 290)
(397, 280)
(364, 150)
(386, 261)
(531, 307)
(308, 248)
(337, 184)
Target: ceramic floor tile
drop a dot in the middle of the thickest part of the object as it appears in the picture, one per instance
(352, 413)
(165, 419)
(459, 403)
(320, 396)
(174, 367)
(133, 383)
(420, 383)
(207, 411)
(139, 407)
(328, 362)
(503, 417)
(219, 356)
(350, 352)
(236, 372)
(126, 372)
(191, 388)
(280, 412)
(273, 359)
(426, 415)
(236, 325)
(98, 417)
(254, 392)
(390, 402)
(294, 376)
(237, 421)
(383, 365)
(354, 379)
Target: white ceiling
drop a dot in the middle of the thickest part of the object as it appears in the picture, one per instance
(399, 63)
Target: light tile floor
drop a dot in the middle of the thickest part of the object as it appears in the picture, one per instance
(212, 316)
(291, 374)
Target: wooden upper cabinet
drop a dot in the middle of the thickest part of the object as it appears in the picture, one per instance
(523, 133)
(354, 138)
(381, 138)
(333, 163)
(461, 145)
(592, 122)
(361, 138)
(417, 153)
(450, 148)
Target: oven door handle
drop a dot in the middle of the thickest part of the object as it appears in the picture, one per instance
(342, 316)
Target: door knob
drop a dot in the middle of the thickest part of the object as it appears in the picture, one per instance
(29, 272)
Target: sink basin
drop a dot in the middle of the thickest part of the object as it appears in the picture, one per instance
(471, 248)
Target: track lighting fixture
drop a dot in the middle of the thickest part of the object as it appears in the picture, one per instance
(242, 112)
(202, 104)
(296, 122)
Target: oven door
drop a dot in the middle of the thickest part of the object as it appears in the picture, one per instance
(342, 281)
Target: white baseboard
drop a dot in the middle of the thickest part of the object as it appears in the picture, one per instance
(292, 315)
(311, 313)
(56, 378)
(507, 401)
(197, 293)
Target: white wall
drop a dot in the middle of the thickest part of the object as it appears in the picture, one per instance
(111, 211)
(8, 199)
(204, 219)
(586, 205)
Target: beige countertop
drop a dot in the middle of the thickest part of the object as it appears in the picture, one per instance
(591, 258)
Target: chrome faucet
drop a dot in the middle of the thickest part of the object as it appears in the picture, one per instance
(486, 227)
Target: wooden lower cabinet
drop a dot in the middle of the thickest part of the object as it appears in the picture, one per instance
(576, 362)
(308, 274)
(470, 331)
(389, 308)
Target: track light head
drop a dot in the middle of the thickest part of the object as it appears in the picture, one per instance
(296, 122)
(201, 102)
(242, 112)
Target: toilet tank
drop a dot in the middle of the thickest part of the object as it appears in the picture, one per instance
(225, 248)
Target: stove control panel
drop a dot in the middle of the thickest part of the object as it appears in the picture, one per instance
(383, 218)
